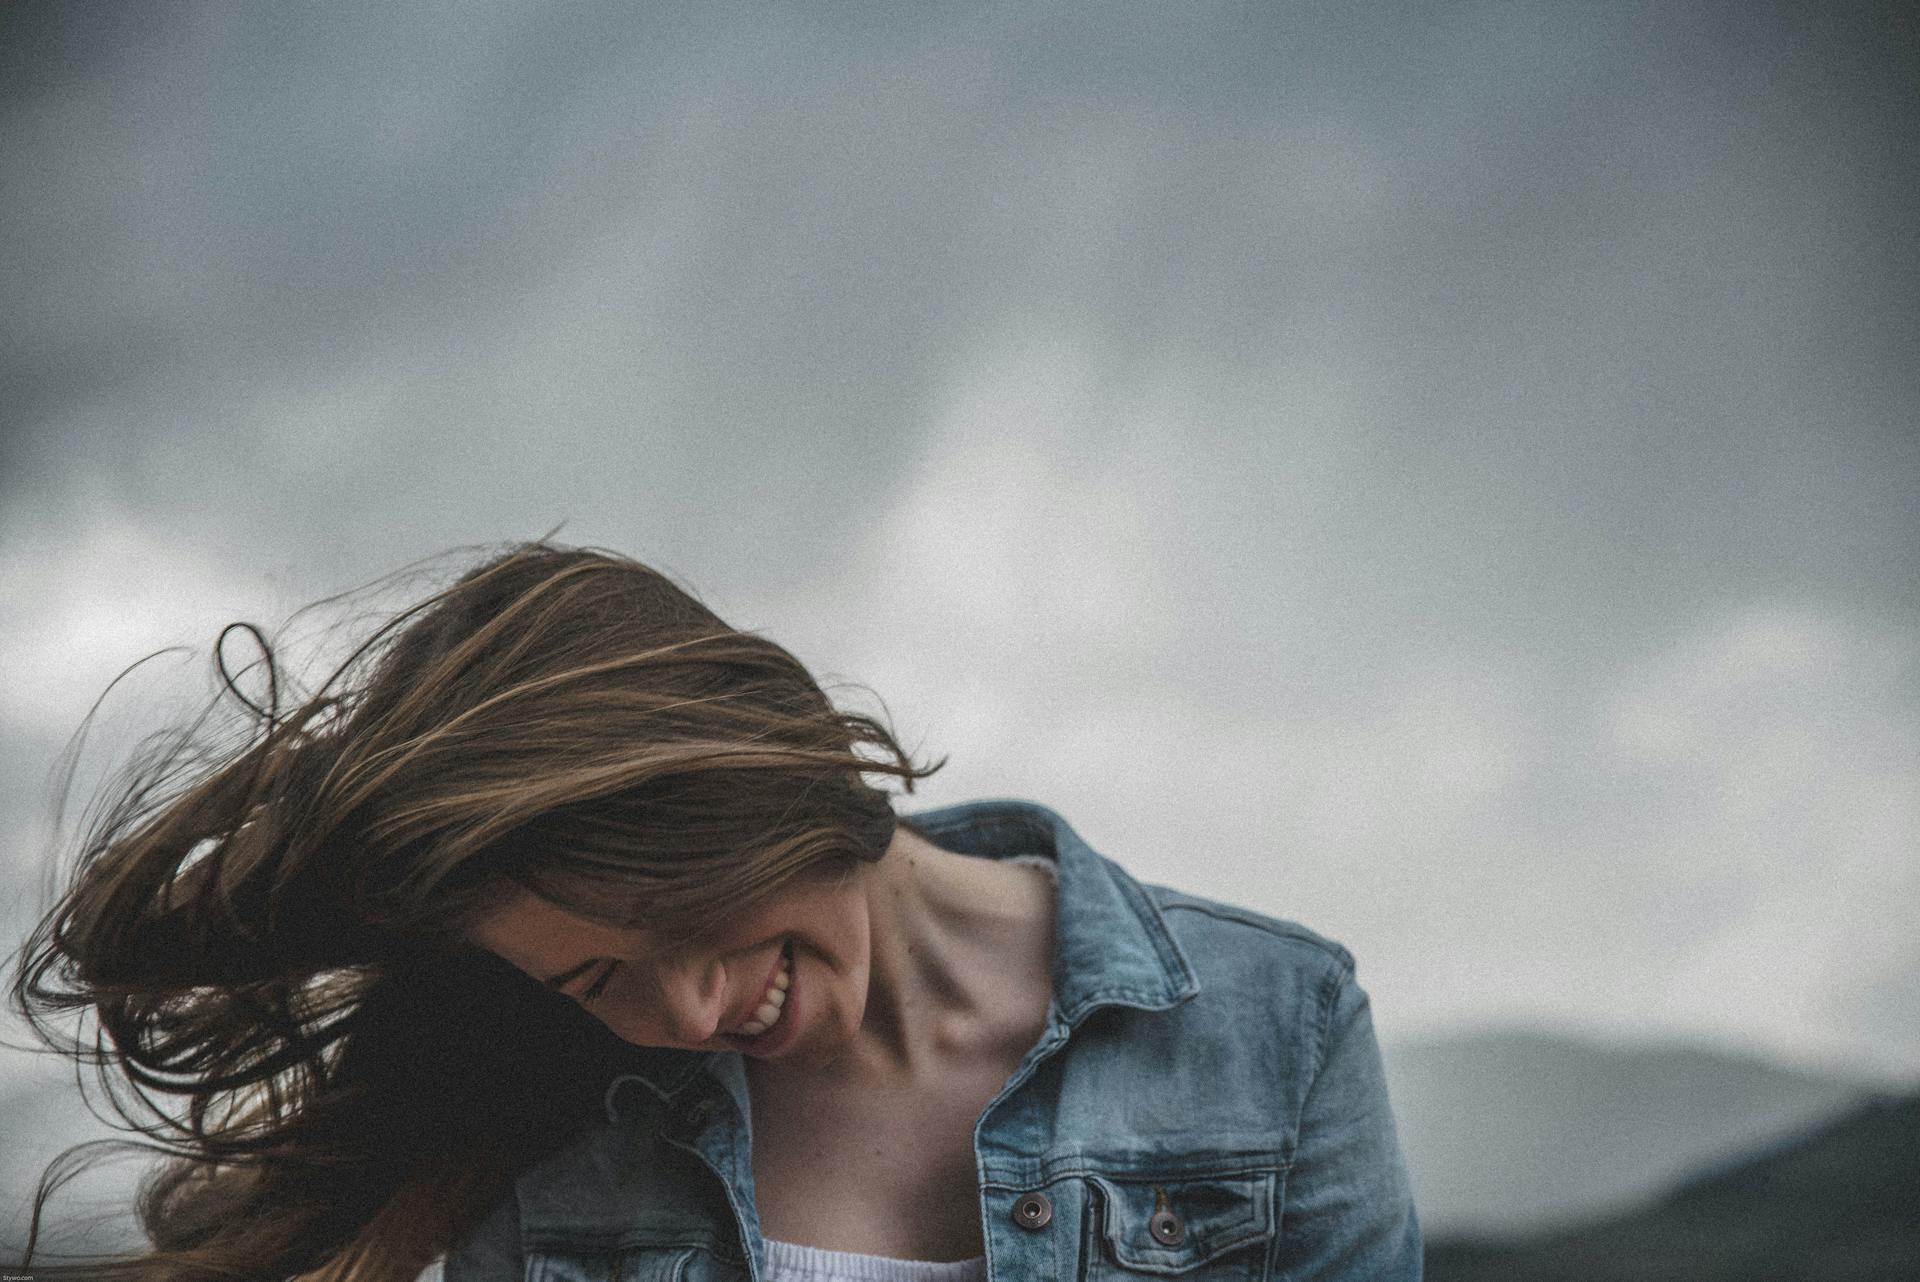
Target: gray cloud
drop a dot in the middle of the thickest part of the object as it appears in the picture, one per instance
(1312, 428)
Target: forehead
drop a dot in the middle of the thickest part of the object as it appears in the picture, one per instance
(543, 938)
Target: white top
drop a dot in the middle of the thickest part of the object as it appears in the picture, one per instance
(791, 1262)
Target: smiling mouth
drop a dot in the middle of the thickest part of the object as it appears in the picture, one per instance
(766, 1017)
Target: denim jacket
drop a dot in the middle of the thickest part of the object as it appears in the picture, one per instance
(1206, 1103)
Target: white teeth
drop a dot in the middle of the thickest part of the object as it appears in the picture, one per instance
(769, 1010)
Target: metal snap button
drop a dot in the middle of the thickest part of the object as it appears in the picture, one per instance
(1168, 1229)
(1032, 1211)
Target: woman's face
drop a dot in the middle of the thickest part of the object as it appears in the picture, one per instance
(812, 945)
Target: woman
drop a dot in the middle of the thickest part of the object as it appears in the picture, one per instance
(559, 935)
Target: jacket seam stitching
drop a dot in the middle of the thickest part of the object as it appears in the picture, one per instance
(1275, 1167)
(1330, 988)
(1338, 952)
(1329, 995)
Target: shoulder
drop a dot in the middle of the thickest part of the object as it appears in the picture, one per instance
(1255, 966)
(1210, 923)
(1241, 1050)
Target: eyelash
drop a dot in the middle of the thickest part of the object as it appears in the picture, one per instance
(594, 990)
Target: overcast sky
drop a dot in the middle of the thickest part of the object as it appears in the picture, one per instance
(1442, 473)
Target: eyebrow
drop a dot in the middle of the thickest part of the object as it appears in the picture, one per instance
(564, 976)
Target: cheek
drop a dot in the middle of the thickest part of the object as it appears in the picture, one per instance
(634, 1028)
(622, 1010)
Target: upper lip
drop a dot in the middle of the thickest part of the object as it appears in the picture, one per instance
(759, 994)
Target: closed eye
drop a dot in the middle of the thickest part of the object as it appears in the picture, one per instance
(599, 985)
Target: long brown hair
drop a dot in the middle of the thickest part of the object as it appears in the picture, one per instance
(274, 930)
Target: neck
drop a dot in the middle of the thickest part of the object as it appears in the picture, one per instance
(957, 945)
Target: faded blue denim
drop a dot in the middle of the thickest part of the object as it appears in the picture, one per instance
(1196, 1055)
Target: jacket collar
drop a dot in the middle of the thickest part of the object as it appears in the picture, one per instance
(1112, 947)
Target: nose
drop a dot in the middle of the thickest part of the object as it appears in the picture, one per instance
(694, 1000)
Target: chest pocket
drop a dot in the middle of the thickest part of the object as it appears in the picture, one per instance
(1203, 1228)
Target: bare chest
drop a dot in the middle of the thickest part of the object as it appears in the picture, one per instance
(876, 1172)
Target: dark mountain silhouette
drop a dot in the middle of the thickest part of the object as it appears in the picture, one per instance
(1839, 1204)
(1516, 1130)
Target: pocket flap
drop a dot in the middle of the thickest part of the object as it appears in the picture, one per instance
(1177, 1224)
